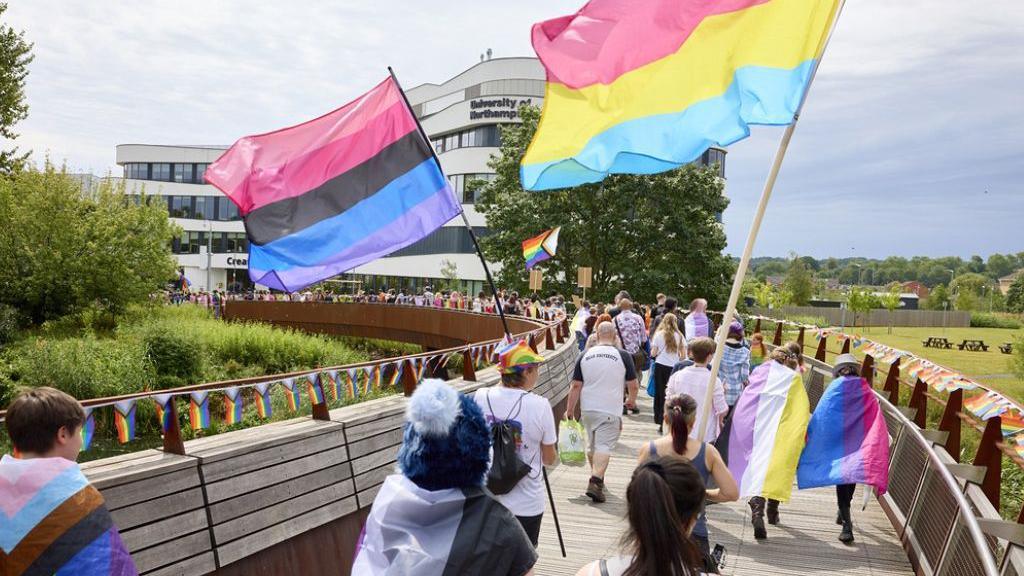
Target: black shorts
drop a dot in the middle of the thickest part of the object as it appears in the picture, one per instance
(531, 524)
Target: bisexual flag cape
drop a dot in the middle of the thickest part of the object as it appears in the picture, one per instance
(769, 425)
(440, 533)
(847, 441)
(52, 521)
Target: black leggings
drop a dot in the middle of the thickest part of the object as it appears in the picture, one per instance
(844, 494)
(661, 376)
(531, 524)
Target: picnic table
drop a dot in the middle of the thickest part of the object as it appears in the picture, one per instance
(1006, 348)
(973, 345)
(934, 342)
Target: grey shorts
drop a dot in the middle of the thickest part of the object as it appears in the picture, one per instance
(602, 431)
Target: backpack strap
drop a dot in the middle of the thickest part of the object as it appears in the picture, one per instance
(603, 567)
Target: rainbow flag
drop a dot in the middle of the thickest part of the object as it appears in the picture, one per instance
(314, 389)
(541, 247)
(986, 405)
(88, 428)
(396, 374)
(769, 425)
(264, 406)
(373, 378)
(1018, 446)
(124, 420)
(163, 411)
(199, 409)
(233, 406)
(352, 382)
(1011, 423)
(418, 365)
(292, 395)
(331, 386)
(644, 87)
(327, 195)
(847, 441)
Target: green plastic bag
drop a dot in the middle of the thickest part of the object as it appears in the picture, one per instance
(572, 445)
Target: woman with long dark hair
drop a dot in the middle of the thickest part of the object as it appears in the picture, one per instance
(665, 498)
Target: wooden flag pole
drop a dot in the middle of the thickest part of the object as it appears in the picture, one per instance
(755, 226)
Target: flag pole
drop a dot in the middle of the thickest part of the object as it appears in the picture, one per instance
(755, 226)
(462, 212)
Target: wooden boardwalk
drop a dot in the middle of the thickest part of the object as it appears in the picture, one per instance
(805, 541)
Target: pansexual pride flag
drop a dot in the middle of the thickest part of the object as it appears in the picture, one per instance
(330, 194)
(847, 441)
(541, 247)
(769, 424)
(644, 86)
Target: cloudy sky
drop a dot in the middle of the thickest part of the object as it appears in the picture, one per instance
(910, 142)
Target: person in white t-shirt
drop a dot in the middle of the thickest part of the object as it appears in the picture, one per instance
(667, 347)
(534, 424)
(694, 381)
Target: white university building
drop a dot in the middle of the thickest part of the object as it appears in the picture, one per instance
(462, 117)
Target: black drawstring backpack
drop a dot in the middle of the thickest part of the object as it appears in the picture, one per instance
(506, 467)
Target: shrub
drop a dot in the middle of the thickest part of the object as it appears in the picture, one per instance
(989, 320)
(10, 323)
(177, 358)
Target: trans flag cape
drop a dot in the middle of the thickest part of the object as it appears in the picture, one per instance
(644, 86)
(323, 197)
(769, 425)
(439, 533)
(847, 441)
(52, 521)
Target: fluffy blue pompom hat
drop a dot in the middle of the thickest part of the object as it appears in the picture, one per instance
(446, 441)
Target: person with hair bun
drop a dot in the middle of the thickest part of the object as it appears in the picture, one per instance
(665, 499)
(680, 414)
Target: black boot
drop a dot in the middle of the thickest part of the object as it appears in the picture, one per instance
(839, 518)
(773, 512)
(757, 517)
(846, 536)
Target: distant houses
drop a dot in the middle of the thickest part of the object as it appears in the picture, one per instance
(1006, 281)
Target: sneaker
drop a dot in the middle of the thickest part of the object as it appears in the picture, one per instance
(595, 491)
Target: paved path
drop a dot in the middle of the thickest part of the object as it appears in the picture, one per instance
(804, 543)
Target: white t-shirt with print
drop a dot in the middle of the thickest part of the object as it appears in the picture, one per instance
(664, 357)
(534, 424)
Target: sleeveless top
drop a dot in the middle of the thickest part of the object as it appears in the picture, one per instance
(700, 529)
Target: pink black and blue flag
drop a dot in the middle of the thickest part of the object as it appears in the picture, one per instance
(325, 196)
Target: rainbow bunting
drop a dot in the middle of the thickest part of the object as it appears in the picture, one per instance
(541, 247)
(199, 409)
(372, 379)
(292, 395)
(315, 389)
(124, 420)
(418, 364)
(264, 407)
(1011, 423)
(396, 374)
(163, 411)
(88, 428)
(233, 406)
(352, 382)
(1019, 446)
(987, 405)
(330, 386)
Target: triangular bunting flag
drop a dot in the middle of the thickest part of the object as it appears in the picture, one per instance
(199, 409)
(264, 408)
(124, 420)
(233, 406)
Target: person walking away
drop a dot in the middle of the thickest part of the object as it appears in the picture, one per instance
(533, 423)
(428, 518)
(667, 346)
(680, 415)
(758, 351)
(55, 521)
(665, 498)
(694, 381)
(592, 339)
(615, 309)
(671, 306)
(633, 333)
(847, 427)
(698, 324)
(735, 371)
(596, 388)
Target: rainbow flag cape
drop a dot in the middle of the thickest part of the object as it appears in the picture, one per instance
(233, 405)
(199, 409)
(292, 395)
(54, 522)
(847, 441)
(88, 428)
(644, 87)
(163, 411)
(314, 389)
(264, 407)
(769, 425)
(124, 420)
(541, 247)
(325, 196)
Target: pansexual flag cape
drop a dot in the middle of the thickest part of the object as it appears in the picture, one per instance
(847, 441)
(541, 247)
(440, 533)
(644, 86)
(52, 521)
(328, 195)
(769, 425)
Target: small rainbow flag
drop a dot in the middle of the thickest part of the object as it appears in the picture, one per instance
(163, 411)
(264, 408)
(987, 405)
(330, 386)
(372, 378)
(541, 247)
(88, 428)
(124, 420)
(1011, 423)
(292, 396)
(1019, 446)
(396, 374)
(314, 389)
(418, 364)
(199, 409)
(351, 383)
(233, 406)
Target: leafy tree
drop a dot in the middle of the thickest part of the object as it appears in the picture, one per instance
(647, 234)
(450, 273)
(1015, 295)
(938, 298)
(764, 294)
(970, 282)
(799, 282)
(860, 301)
(891, 301)
(61, 251)
(15, 56)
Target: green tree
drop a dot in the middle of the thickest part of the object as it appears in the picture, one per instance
(450, 273)
(799, 281)
(860, 301)
(764, 294)
(938, 298)
(891, 301)
(1015, 295)
(15, 56)
(646, 234)
(61, 251)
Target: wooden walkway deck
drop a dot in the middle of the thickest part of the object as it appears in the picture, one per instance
(805, 541)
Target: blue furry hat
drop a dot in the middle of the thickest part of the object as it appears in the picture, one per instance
(446, 441)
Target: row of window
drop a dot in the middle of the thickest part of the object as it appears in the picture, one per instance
(185, 172)
(202, 208)
(473, 137)
(459, 182)
(445, 240)
(412, 285)
(217, 242)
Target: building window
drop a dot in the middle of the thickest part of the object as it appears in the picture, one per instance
(183, 173)
(160, 171)
(180, 206)
(200, 171)
(226, 210)
(204, 208)
(235, 242)
(136, 171)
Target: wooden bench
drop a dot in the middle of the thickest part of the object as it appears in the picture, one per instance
(1006, 347)
(937, 342)
(973, 345)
